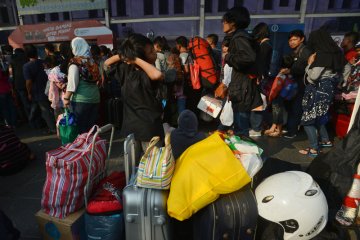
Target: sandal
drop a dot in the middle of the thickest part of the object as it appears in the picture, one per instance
(326, 144)
(309, 151)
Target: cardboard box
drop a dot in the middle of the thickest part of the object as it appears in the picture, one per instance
(72, 227)
(210, 105)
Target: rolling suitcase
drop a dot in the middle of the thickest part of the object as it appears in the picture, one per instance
(233, 216)
(115, 111)
(145, 210)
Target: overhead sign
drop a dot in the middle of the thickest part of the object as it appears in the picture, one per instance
(59, 32)
(29, 7)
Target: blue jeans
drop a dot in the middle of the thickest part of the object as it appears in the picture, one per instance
(7, 109)
(256, 119)
(181, 104)
(278, 111)
(241, 123)
(86, 115)
(46, 114)
(25, 102)
(311, 132)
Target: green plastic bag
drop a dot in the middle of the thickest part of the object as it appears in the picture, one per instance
(67, 128)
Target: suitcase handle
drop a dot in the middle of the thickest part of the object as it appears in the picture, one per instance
(129, 157)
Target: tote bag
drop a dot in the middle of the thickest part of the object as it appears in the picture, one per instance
(157, 165)
(67, 170)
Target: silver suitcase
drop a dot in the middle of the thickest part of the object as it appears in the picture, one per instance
(145, 210)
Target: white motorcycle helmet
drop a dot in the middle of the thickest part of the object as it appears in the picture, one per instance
(295, 201)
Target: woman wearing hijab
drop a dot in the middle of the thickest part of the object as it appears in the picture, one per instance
(324, 66)
(82, 90)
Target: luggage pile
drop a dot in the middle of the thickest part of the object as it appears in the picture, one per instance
(207, 180)
(207, 193)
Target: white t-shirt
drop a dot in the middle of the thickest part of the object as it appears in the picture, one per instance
(184, 56)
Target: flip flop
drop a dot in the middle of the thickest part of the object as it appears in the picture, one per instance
(307, 151)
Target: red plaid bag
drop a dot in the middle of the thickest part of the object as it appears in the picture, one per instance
(67, 170)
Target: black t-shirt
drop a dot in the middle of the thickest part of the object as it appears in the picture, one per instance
(17, 62)
(34, 71)
(142, 110)
(263, 58)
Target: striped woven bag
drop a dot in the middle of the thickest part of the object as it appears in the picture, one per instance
(156, 166)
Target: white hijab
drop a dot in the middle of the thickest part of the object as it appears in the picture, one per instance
(80, 48)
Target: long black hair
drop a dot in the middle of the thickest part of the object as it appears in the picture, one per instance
(328, 53)
(134, 46)
(261, 31)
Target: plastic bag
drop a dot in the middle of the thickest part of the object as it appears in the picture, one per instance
(248, 154)
(203, 172)
(68, 128)
(227, 114)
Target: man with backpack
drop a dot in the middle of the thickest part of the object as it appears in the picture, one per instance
(242, 91)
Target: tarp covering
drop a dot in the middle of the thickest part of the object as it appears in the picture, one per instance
(60, 32)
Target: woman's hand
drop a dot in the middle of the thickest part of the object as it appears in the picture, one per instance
(311, 59)
(284, 71)
(66, 103)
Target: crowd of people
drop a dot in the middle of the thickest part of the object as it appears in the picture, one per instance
(153, 81)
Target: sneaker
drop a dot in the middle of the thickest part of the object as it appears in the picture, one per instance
(326, 144)
(289, 136)
(253, 133)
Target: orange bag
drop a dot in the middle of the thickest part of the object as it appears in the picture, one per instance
(201, 52)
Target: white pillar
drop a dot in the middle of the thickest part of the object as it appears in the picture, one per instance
(202, 18)
(303, 10)
(107, 15)
(21, 20)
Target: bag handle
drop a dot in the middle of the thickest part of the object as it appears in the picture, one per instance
(91, 132)
(167, 140)
(152, 144)
(67, 112)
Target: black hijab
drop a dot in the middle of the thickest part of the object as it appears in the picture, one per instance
(186, 134)
(328, 54)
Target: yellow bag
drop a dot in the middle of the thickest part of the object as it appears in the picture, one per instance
(203, 172)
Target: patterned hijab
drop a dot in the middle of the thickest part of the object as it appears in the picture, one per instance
(88, 69)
